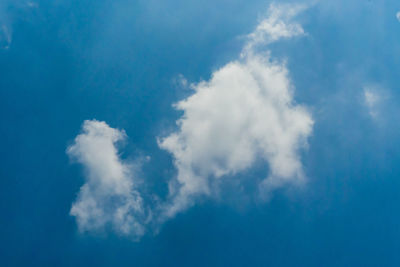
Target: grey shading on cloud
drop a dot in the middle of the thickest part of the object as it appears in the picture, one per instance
(244, 112)
(109, 197)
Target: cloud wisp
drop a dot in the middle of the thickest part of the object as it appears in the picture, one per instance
(8, 16)
(374, 97)
(245, 111)
(5, 26)
(278, 25)
(371, 100)
(5, 37)
(109, 197)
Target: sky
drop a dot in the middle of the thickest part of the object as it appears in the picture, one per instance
(187, 133)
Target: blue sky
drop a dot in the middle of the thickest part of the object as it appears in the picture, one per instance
(180, 133)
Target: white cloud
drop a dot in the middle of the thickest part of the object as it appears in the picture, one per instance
(108, 197)
(277, 25)
(398, 16)
(245, 111)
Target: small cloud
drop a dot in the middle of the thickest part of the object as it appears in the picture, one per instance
(398, 16)
(373, 98)
(109, 196)
(278, 25)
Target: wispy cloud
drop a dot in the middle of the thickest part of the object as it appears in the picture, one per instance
(398, 16)
(278, 25)
(109, 196)
(373, 97)
(5, 37)
(7, 17)
(5, 26)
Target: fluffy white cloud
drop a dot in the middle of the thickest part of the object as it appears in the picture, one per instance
(245, 111)
(108, 197)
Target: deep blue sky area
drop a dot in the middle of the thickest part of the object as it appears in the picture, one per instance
(122, 61)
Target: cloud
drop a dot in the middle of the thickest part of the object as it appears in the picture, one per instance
(373, 98)
(244, 112)
(109, 196)
(398, 16)
(277, 25)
